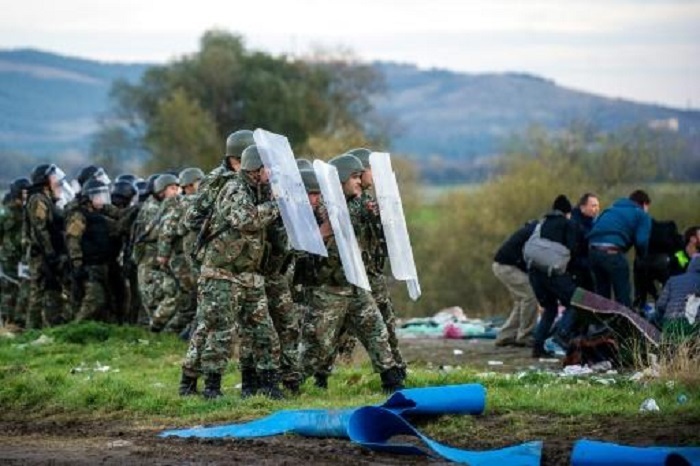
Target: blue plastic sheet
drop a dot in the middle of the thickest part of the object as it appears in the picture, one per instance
(594, 453)
(374, 426)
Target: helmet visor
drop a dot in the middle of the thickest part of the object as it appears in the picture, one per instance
(101, 175)
(99, 196)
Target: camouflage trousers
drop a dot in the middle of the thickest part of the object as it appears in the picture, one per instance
(333, 309)
(95, 303)
(13, 303)
(260, 342)
(46, 302)
(218, 303)
(150, 280)
(380, 293)
(285, 319)
(178, 306)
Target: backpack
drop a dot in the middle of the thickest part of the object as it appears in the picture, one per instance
(544, 254)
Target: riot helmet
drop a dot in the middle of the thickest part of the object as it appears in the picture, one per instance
(97, 193)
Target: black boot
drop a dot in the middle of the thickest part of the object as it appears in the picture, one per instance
(292, 383)
(249, 382)
(269, 384)
(321, 380)
(188, 385)
(212, 387)
(391, 380)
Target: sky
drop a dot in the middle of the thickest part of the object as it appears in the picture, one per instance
(642, 50)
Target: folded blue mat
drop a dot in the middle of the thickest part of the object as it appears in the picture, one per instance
(374, 426)
(593, 453)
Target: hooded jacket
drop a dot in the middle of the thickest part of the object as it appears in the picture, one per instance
(671, 303)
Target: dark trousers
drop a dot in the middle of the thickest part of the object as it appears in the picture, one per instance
(550, 291)
(612, 275)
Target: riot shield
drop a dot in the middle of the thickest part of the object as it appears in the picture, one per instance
(337, 208)
(394, 223)
(295, 209)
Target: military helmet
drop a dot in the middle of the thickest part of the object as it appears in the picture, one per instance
(308, 176)
(17, 186)
(304, 164)
(95, 189)
(362, 154)
(90, 172)
(126, 177)
(190, 176)
(124, 189)
(40, 174)
(237, 141)
(162, 182)
(250, 160)
(346, 164)
(150, 182)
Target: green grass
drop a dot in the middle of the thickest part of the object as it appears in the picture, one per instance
(62, 379)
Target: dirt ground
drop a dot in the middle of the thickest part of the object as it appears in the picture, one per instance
(122, 443)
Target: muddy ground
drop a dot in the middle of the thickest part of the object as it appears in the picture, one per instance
(60, 442)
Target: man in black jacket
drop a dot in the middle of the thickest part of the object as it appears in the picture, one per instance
(509, 267)
(551, 287)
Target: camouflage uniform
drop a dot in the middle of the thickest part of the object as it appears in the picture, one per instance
(14, 296)
(201, 207)
(144, 253)
(88, 240)
(178, 306)
(230, 283)
(281, 308)
(335, 305)
(43, 230)
(370, 236)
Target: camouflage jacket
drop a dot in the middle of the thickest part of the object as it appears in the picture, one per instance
(169, 236)
(209, 188)
(43, 226)
(238, 228)
(144, 231)
(11, 233)
(369, 232)
(329, 270)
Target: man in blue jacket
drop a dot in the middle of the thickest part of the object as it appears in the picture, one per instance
(624, 224)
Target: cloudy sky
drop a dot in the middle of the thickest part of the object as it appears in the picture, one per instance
(644, 50)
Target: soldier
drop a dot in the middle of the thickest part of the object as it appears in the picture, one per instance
(337, 304)
(144, 252)
(43, 231)
(14, 290)
(180, 300)
(277, 261)
(201, 207)
(230, 284)
(88, 243)
(373, 244)
(124, 195)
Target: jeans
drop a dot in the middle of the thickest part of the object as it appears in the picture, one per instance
(612, 275)
(550, 291)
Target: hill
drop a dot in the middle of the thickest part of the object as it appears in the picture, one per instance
(49, 105)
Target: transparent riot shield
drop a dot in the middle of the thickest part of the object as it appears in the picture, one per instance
(337, 208)
(295, 209)
(394, 223)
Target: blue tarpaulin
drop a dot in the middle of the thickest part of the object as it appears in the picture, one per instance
(374, 426)
(593, 453)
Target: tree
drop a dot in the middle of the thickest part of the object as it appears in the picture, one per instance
(224, 86)
(182, 134)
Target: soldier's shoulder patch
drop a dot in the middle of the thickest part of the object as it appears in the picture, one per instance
(41, 211)
(75, 226)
